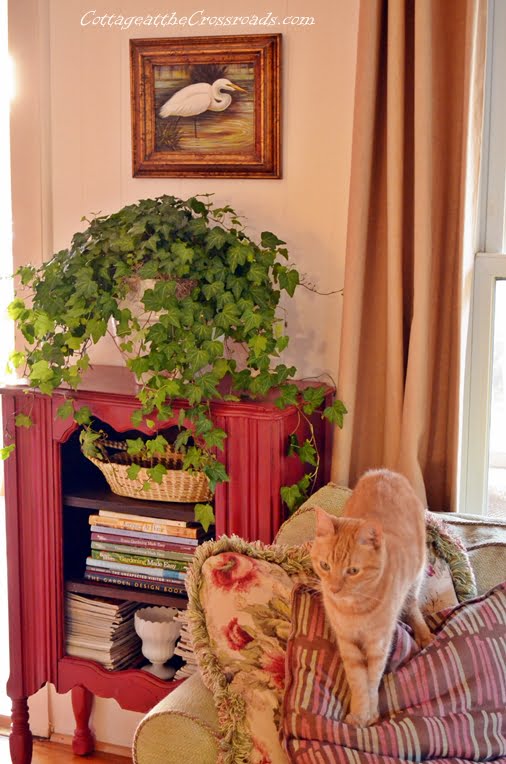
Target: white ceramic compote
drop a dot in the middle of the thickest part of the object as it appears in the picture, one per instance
(158, 631)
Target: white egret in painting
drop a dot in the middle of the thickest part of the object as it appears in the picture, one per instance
(198, 98)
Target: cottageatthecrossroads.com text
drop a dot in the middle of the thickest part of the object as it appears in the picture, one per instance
(196, 19)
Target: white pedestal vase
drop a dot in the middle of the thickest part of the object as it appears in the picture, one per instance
(159, 632)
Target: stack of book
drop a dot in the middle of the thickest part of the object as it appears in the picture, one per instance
(141, 552)
(184, 648)
(102, 629)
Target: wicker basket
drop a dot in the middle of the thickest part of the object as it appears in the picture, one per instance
(177, 484)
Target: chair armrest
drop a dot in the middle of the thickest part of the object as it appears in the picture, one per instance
(182, 727)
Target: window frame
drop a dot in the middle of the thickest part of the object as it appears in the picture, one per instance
(488, 269)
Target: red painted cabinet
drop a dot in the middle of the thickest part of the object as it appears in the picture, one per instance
(50, 491)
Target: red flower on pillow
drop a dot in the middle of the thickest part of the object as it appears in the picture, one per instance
(274, 664)
(236, 636)
(234, 571)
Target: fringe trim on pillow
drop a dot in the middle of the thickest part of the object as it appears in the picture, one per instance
(236, 744)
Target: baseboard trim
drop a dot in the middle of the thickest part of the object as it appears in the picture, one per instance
(57, 737)
(118, 750)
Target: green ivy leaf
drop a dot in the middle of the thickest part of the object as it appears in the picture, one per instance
(307, 453)
(156, 445)
(293, 445)
(133, 471)
(227, 316)
(182, 439)
(137, 418)
(304, 484)
(291, 495)
(6, 451)
(288, 279)
(335, 413)
(262, 383)
(270, 240)
(215, 438)
(26, 273)
(23, 420)
(183, 252)
(74, 343)
(236, 256)
(16, 358)
(251, 320)
(213, 290)
(157, 472)
(313, 397)
(134, 447)
(204, 514)
(88, 439)
(97, 328)
(197, 206)
(257, 273)
(41, 372)
(216, 238)
(193, 394)
(282, 343)
(83, 415)
(66, 409)
(258, 344)
(216, 473)
(42, 324)
(288, 396)
(16, 309)
(197, 359)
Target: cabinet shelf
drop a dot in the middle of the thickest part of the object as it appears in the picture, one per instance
(82, 586)
(100, 498)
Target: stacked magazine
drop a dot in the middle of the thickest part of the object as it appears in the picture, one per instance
(102, 629)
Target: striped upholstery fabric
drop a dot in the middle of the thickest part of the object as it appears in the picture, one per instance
(443, 704)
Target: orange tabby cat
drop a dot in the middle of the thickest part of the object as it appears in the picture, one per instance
(371, 562)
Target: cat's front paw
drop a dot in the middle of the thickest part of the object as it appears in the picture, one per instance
(424, 638)
(359, 720)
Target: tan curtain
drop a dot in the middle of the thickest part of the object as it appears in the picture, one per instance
(417, 124)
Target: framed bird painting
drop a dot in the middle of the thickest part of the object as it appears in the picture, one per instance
(206, 107)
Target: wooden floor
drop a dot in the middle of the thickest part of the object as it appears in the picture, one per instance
(53, 753)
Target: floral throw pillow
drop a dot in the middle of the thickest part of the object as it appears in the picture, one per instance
(239, 611)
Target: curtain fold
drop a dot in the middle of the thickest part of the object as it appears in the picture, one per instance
(417, 123)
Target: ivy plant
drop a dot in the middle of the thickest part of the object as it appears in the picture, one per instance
(210, 285)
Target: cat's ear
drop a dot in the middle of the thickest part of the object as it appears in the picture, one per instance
(370, 534)
(325, 525)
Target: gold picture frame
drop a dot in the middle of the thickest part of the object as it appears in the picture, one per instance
(206, 107)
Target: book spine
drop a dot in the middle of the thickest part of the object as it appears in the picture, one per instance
(134, 570)
(113, 535)
(151, 526)
(174, 587)
(135, 551)
(113, 559)
(144, 518)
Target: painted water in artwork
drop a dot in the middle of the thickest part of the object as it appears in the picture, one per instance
(204, 108)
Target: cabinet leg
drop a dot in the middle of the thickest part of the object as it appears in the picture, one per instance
(83, 741)
(20, 740)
